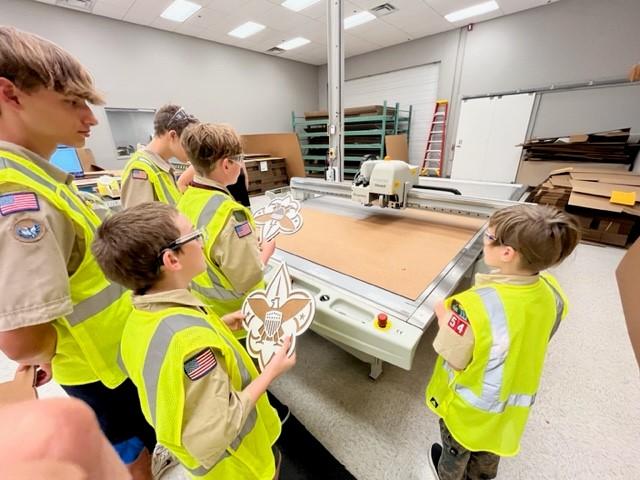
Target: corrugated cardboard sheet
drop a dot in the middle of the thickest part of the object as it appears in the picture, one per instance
(628, 278)
(402, 254)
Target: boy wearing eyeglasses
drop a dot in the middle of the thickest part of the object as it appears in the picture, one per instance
(148, 176)
(235, 260)
(197, 386)
(492, 341)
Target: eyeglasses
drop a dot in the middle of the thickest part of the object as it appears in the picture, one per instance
(198, 234)
(180, 116)
(237, 158)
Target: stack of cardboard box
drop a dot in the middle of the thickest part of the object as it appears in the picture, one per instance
(265, 173)
(606, 202)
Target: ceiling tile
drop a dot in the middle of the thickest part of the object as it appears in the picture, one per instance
(164, 24)
(315, 11)
(311, 29)
(380, 33)
(107, 10)
(417, 20)
(227, 6)
(205, 18)
(512, 6)
(146, 11)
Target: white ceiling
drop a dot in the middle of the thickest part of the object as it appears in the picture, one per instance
(413, 19)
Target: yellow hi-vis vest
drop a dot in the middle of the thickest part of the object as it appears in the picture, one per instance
(211, 209)
(164, 185)
(154, 349)
(486, 405)
(88, 338)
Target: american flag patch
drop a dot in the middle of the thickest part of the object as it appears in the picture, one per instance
(201, 364)
(18, 202)
(139, 174)
(243, 229)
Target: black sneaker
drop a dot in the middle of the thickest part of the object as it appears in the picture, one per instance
(434, 458)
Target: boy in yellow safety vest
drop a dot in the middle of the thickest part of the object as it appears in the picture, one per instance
(58, 311)
(235, 259)
(493, 339)
(148, 175)
(197, 385)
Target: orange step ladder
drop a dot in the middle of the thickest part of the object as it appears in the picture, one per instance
(434, 152)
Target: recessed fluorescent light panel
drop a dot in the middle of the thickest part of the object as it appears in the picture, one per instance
(358, 19)
(180, 10)
(246, 30)
(294, 43)
(297, 5)
(472, 11)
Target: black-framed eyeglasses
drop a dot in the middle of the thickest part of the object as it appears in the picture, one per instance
(198, 234)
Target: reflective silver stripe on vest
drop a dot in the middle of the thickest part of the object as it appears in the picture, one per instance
(158, 173)
(121, 364)
(489, 399)
(8, 163)
(559, 306)
(95, 304)
(156, 353)
(218, 291)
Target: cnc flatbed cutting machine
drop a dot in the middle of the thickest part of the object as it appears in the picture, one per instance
(378, 253)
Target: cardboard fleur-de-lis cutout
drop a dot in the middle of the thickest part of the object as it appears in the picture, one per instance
(281, 215)
(275, 313)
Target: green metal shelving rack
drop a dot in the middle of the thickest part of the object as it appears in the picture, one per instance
(363, 134)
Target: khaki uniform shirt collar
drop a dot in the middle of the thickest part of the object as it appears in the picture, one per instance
(210, 183)
(497, 277)
(161, 300)
(159, 161)
(57, 174)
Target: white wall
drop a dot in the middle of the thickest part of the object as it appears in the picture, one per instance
(139, 67)
(567, 41)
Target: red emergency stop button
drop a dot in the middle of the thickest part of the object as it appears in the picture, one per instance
(382, 320)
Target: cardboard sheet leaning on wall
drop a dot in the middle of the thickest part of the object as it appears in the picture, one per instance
(628, 278)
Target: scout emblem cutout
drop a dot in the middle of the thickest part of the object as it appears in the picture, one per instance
(281, 215)
(275, 313)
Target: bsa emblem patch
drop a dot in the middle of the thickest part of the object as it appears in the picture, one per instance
(139, 174)
(200, 364)
(28, 231)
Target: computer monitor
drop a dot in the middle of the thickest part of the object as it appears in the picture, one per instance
(66, 159)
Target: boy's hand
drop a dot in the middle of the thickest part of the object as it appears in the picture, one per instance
(442, 314)
(280, 362)
(234, 320)
(266, 250)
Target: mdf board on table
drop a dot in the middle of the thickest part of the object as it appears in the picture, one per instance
(399, 253)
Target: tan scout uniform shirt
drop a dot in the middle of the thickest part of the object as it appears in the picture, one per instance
(457, 349)
(137, 190)
(214, 412)
(35, 269)
(238, 257)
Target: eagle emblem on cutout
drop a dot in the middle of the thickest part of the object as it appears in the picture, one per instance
(281, 215)
(275, 313)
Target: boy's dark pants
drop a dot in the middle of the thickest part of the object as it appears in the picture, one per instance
(458, 463)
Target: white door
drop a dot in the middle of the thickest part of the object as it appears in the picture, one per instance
(417, 86)
(489, 132)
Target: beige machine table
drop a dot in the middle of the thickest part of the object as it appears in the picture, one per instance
(365, 265)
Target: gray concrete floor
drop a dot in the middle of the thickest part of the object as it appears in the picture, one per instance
(585, 424)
